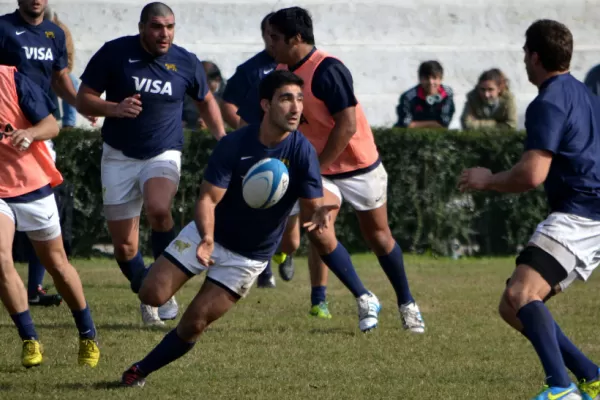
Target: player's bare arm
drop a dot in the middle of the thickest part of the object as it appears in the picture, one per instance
(342, 132)
(211, 115)
(229, 112)
(46, 129)
(89, 102)
(63, 87)
(530, 172)
(204, 217)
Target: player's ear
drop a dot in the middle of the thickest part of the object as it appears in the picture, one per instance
(265, 105)
(140, 27)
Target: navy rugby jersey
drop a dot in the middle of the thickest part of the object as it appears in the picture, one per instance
(36, 51)
(256, 233)
(564, 119)
(242, 87)
(122, 68)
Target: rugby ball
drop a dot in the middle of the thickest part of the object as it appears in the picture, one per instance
(265, 183)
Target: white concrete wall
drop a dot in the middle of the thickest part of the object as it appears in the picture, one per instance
(381, 41)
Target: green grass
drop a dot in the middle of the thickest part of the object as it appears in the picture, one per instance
(269, 348)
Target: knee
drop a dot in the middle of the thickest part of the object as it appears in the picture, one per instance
(517, 296)
(159, 215)
(125, 250)
(505, 309)
(380, 241)
(324, 242)
(190, 329)
(151, 294)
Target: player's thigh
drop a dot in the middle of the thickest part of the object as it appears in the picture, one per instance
(159, 179)
(164, 279)
(158, 195)
(120, 184)
(39, 219)
(325, 241)
(7, 234)
(291, 236)
(551, 261)
(366, 191)
(234, 272)
(210, 304)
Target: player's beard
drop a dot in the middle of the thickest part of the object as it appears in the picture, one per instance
(33, 14)
(283, 124)
(152, 46)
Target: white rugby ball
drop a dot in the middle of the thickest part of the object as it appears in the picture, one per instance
(265, 183)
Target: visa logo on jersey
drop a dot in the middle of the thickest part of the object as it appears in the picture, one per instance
(38, 53)
(153, 86)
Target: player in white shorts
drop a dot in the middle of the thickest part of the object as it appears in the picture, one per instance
(335, 124)
(27, 204)
(146, 78)
(562, 150)
(234, 242)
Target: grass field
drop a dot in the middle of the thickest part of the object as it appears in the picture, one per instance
(269, 348)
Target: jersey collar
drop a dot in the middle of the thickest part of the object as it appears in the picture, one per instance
(301, 62)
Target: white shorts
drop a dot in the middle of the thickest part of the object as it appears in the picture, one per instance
(123, 177)
(231, 270)
(364, 192)
(38, 218)
(573, 241)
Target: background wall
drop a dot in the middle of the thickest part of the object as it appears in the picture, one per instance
(381, 41)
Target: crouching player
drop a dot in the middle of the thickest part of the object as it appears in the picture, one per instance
(27, 204)
(234, 242)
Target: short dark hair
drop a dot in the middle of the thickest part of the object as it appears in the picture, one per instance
(275, 80)
(431, 68)
(553, 43)
(294, 21)
(155, 9)
(212, 71)
(265, 21)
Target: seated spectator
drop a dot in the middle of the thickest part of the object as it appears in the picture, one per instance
(592, 80)
(490, 104)
(429, 104)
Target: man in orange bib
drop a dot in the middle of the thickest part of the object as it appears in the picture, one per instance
(27, 204)
(335, 123)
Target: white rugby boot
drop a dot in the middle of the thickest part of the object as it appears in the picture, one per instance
(150, 315)
(411, 318)
(368, 311)
(169, 310)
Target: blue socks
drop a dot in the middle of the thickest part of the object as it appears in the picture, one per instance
(340, 264)
(539, 327)
(393, 266)
(36, 272)
(168, 350)
(160, 241)
(132, 267)
(85, 325)
(267, 272)
(318, 294)
(25, 325)
(575, 360)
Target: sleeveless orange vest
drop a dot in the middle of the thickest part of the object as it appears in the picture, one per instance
(21, 172)
(361, 151)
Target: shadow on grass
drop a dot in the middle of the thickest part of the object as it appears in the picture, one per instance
(102, 385)
(101, 327)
